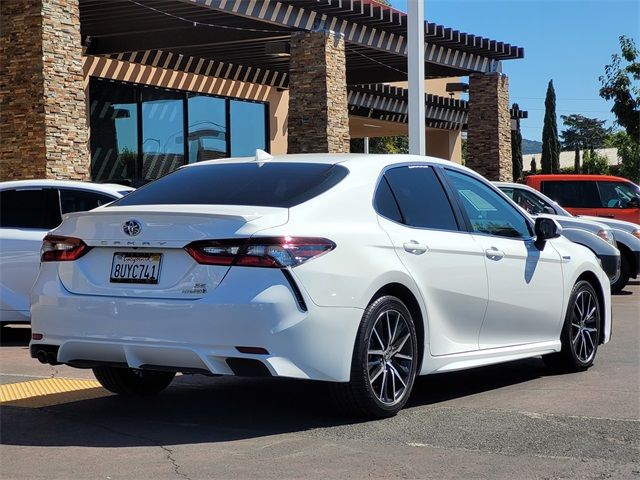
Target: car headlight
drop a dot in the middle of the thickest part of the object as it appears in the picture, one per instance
(636, 233)
(607, 235)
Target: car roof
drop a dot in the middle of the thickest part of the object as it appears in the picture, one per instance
(111, 188)
(576, 176)
(375, 161)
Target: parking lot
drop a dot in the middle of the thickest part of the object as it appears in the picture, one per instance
(513, 420)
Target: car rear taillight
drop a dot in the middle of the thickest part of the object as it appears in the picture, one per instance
(62, 249)
(266, 252)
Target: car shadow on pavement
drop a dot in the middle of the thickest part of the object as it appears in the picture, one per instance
(15, 336)
(197, 409)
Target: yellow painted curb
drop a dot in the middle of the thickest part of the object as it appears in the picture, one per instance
(49, 391)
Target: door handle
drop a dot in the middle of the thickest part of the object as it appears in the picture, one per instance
(606, 215)
(494, 254)
(415, 247)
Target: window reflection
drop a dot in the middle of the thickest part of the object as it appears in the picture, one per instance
(207, 128)
(248, 130)
(137, 132)
(162, 132)
(114, 132)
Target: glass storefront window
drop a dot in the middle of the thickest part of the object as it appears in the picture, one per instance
(162, 132)
(248, 129)
(138, 132)
(114, 131)
(207, 138)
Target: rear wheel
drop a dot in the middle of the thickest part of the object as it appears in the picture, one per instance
(383, 367)
(131, 381)
(581, 331)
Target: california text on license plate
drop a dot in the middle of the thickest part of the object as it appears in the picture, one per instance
(135, 267)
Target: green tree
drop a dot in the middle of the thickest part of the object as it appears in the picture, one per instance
(620, 83)
(516, 151)
(628, 153)
(550, 160)
(582, 133)
(595, 163)
(381, 145)
(534, 166)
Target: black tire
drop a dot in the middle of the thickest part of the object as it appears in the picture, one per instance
(623, 279)
(363, 396)
(131, 381)
(580, 333)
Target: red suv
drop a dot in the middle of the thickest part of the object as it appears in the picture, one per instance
(596, 195)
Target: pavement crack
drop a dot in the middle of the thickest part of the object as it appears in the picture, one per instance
(176, 466)
(169, 454)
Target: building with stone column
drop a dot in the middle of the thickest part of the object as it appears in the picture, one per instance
(126, 91)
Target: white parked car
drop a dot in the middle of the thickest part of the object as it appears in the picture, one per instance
(361, 271)
(28, 210)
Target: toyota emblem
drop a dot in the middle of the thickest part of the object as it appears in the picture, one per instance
(132, 228)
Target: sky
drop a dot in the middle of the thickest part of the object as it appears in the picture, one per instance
(567, 41)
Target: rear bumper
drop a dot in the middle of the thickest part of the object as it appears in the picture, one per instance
(250, 308)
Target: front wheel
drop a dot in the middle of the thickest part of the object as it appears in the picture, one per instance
(131, 381)
(580, 332)
(384, 363)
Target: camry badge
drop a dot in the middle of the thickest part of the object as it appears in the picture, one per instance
(132, 228)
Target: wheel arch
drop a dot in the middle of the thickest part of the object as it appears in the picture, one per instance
(627, 254)
(407, 297)
(591, 277)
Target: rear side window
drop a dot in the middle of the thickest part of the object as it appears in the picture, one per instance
(385, 203)
(576, 194)
(81, 200)
(267, 184)
(421, 198)
(30, 209)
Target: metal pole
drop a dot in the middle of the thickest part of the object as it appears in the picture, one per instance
(415, 39)
(366, 145)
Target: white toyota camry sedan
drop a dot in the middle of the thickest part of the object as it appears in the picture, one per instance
(359, 270)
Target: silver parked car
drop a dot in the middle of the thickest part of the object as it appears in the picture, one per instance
(596, 236)
(626, 234)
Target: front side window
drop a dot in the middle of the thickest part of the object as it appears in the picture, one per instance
(421, 198)
(530, 202)
(487, 211)
(618, 195)
(572, 193)
(36, 208)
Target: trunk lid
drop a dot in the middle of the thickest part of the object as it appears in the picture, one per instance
(163, 232)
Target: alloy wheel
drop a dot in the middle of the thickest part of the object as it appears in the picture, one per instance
(390, 357)
(584, 331)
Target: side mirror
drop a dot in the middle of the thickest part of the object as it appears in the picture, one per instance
(547, 228)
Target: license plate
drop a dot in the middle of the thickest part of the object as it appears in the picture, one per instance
(135, 267)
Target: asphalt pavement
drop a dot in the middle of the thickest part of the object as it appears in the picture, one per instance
(511, 421)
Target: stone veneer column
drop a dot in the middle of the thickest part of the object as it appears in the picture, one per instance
(43, 127)
(318, 110)
(489, 127)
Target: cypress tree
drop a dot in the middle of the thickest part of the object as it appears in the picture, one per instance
(516, 150)
(550, 161)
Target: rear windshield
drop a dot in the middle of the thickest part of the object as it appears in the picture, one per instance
(258, 184)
